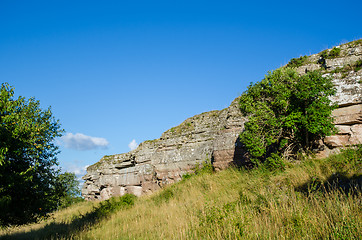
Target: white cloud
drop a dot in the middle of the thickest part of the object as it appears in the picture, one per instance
(133, 145)
(83, 142)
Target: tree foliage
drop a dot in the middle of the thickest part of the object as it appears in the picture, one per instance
(28, 174)
(287, 113)
(68, 189)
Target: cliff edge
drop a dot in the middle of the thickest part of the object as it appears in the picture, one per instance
(214, 135)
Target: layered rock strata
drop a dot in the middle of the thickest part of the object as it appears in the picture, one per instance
(214, 136)
(210, 135)
(345, 69)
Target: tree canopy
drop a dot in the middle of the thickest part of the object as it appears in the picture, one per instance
(68, 189)
(29, 186)
(286, 113)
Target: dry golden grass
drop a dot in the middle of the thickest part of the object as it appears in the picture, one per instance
(37, 230)
(310, 200)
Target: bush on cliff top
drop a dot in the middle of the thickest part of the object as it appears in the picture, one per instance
(297, 62)
(287, 113)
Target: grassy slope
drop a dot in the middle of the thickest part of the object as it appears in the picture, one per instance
(310, 200)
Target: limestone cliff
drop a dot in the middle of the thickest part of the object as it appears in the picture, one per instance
(214, 135)
(344, 64)
(162, 161)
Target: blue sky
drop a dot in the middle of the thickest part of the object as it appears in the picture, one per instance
(118, 71)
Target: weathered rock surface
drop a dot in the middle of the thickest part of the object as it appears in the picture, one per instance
(214, 136)
(347, 136)
(163, 161)
(342, 70)
(348, 115)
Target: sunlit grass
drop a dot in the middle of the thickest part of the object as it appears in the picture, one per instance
(37, 230)
(315, 199)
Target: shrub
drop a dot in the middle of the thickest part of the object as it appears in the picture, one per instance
(164, 196)
(297, 62)
(286, 113)
(114, 204)
(68, 184)
(328, 54)
(358, 65)
(334, 52)
(275, 162)
(205, 168)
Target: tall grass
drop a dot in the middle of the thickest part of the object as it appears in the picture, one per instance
(315, 199)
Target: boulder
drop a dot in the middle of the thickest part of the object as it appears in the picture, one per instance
(348, 115)
(135, 190)
(337, 141)
(106, 193)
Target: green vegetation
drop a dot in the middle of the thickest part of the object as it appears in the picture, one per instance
(355, 43)
(104, 159)
(185, 126)
(151, 141)
(70, 221)
(189, 124)
(314, 199)
(112, 205)
(297, 62)
(287, 114)
(333, 53)
(356, 66)
(324, 54)
(280, 199)
(29, 187)
(205, 168)
(68, 186)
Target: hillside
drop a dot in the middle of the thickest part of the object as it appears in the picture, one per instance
(314, 199)
(172, 187)
(214, 135)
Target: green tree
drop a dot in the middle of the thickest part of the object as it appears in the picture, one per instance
(286, 113)
(28, 173)
(68, 187)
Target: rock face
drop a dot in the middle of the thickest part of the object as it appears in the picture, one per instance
(349, 124)
(346, 72)
(214, 136)
(210, 135)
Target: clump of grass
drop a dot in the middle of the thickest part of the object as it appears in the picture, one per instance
(355, 43)
(358, 65)
(275, 163)
(163, 196)
(297, 62)
(329, 54)
(335, 52)
(114, 204)
(204, 168)
(184, 127)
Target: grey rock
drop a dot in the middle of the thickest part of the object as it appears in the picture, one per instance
(214, 136)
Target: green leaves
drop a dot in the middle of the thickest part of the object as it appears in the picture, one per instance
(286, 112)
(27, 158)
(68, 189)
(297, 62)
